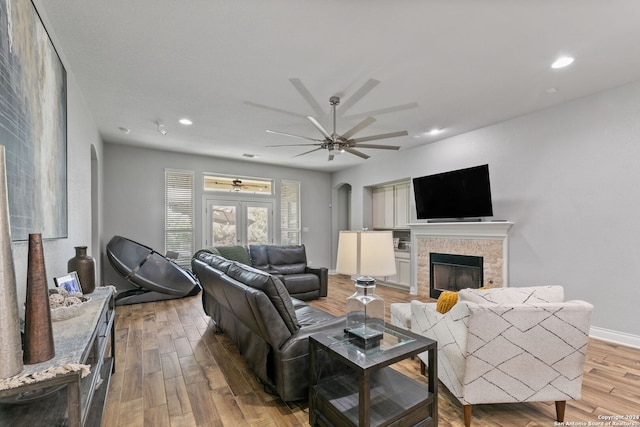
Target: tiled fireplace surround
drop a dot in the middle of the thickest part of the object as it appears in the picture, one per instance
(486, 239)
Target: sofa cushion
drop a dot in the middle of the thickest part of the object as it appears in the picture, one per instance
(271, 286)
(308, 315)
(513, 295)
(235, 253)
(216, 261)
(301, 283)
(290, 259)
(259, 257)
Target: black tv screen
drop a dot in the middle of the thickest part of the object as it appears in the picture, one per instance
(463, 193)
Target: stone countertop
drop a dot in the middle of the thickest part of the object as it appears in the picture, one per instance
(71, 336)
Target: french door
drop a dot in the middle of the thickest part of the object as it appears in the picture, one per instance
(238, 222)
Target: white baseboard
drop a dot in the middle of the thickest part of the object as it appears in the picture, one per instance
(621, 338)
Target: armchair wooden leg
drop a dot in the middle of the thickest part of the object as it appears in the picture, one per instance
(467, 415)
(560, 407)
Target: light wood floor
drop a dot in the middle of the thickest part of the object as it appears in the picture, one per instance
(172, 370)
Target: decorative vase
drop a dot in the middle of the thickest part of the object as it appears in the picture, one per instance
(38, 333)
(365, 314)
(11, 349)
(85, 266)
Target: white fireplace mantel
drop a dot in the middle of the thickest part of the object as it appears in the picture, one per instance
(470, 230)
(489, 230)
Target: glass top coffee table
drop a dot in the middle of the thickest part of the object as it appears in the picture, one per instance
(350, 386)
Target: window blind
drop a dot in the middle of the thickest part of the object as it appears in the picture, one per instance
(290, 213)
(179, 215)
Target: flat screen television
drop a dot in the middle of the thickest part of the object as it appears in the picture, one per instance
(459, 194)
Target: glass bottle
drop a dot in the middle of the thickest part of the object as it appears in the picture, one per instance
(365, 310)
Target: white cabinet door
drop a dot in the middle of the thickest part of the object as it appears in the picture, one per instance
(383, 209)
(378, 207)
(401, 205)
(403, 267)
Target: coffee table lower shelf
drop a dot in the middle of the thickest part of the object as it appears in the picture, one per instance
(395, 400)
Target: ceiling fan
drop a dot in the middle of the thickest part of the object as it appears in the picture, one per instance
(335, 143)
(236, 184)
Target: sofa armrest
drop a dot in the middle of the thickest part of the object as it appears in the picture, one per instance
(450, 330)
(323, 275)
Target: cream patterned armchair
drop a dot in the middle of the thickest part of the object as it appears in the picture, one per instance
(509, 345)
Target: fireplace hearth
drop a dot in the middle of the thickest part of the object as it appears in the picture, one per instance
(450, 272)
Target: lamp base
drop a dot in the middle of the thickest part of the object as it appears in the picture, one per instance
(363, 337)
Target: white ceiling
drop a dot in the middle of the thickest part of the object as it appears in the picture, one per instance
(466, 63)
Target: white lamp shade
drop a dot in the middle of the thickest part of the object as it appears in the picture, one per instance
(366, 253)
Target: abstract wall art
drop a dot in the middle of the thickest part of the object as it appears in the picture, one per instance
(33, 123)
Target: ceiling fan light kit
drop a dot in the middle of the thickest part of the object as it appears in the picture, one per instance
(335, 143)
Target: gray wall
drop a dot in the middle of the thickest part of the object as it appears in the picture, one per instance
(568, 178)
(134, 197)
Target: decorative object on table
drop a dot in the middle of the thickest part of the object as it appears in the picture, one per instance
(365, 254)
(85, 266)
(33, 119)
(11, 349)
(65, 305)
(38, 334)
(70, 283)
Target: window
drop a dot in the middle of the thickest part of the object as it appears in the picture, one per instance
(178, 224)
(237, 185)
(290, 213)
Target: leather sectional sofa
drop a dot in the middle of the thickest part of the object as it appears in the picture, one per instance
(288, 263)
(269, 328)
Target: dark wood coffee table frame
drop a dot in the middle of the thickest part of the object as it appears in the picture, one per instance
(363, 390)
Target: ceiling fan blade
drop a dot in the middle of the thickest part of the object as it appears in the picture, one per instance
(253, 104)
(383, 147)
(290, 145)
(307, 152)
(381, 136)
(331, 156)
(356, 152)
(300, 87)
(358, 95)
(294, 136)
(357, 128)
(383, 111)
(319, 127)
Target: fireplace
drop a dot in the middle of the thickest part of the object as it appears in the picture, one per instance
(451, 272)
(486, 239)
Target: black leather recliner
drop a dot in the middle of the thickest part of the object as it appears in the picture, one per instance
(289, 263)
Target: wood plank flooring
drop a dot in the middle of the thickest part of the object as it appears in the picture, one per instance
(172, 370)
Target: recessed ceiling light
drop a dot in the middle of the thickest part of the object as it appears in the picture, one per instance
(185, 122)
(432, 132)
(562, 62)
(124, 129)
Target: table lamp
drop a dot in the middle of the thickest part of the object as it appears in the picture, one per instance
(365, 254)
